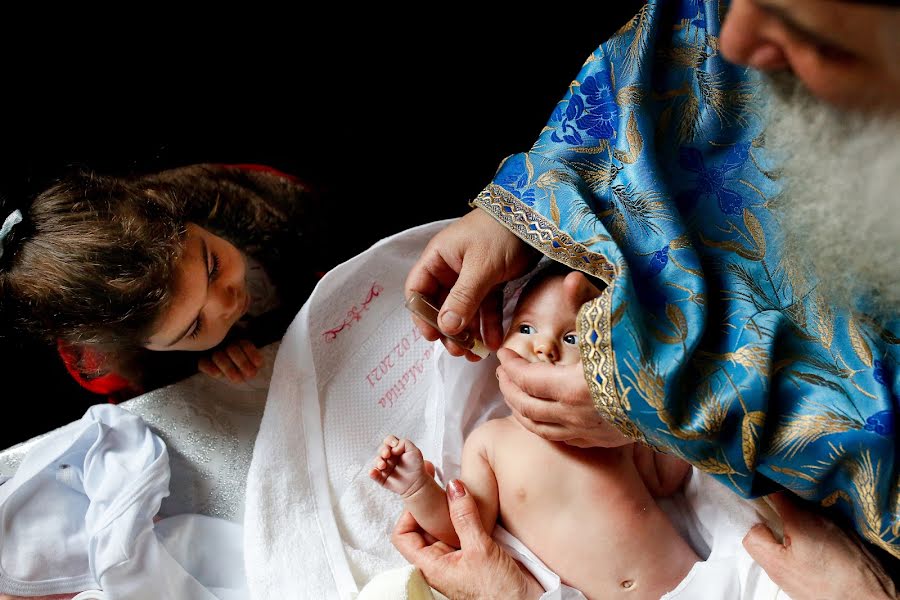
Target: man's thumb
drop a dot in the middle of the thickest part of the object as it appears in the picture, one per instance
(465, 517)
(464, 299)
(764, 548)
(578, 289)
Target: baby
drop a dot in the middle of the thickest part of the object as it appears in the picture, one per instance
(588, 513)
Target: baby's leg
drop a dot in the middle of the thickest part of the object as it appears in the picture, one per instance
(401, 468)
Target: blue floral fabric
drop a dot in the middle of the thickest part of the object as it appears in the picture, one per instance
(652, 174)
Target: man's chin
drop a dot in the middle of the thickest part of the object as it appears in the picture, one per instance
(841, 201)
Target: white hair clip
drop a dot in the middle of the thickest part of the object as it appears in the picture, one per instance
(14, 218)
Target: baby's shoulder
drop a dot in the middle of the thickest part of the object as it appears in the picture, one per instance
(488, 432)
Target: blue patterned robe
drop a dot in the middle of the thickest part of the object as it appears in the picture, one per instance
(651, 175)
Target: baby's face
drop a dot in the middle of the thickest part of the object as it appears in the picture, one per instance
(543, 326)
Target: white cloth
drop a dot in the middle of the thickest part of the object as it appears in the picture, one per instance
(78, 514)
(351, 369)
(714, 521)
(402, 583)
(208, 426)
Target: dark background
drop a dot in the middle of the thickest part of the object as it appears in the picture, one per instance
(401, 124)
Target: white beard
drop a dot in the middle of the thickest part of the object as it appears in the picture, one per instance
(841, 201)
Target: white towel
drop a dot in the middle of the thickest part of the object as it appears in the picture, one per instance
(351, 365)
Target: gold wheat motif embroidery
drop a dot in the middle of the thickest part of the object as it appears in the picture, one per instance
(715, 466)
(794, 473)
(750, 436)
(799, 430)
(859, 344)
(865, 474)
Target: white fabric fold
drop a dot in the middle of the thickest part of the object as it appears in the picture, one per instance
(78, 515)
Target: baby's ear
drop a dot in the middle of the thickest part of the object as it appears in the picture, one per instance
(578, 289)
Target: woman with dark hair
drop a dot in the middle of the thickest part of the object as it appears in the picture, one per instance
(130, 276)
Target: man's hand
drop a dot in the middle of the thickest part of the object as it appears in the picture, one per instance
(817, 560)
(464, 266)
(554, 402)
(479, 570)
(238, 362)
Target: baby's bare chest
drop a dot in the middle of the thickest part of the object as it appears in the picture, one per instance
(535, 477)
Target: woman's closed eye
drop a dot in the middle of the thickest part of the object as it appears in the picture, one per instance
(197, 328)
(213, 273)
(214, 270)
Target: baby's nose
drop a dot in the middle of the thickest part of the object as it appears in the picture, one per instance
(546, 351)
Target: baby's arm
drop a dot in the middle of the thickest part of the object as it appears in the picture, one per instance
(401, 468)
(478, 475)
(663, 474)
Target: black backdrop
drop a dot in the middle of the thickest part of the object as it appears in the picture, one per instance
(401, 118)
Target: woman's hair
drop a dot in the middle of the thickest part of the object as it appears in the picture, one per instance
(92, 261)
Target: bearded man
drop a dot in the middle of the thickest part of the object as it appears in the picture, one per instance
(744, 229)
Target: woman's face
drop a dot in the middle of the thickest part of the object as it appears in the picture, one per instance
(210, 295)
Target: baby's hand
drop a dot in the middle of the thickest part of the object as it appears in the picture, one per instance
(238, 362)
(400, 467)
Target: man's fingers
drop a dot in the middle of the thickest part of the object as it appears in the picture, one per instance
(492, 318)
(429, 539)
(407, 537)
(417, 547)
(430, 273)
(454, 349)
(428, 332)
(578, 289)
(465, 518)
(554, 383)
(534, 409)
(551, 431)
(789, 512)
(548, 431)
(428, 277)
(762, 546)
(540, 380)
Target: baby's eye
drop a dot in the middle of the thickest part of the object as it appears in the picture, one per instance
(526, 329)
(570, 338)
